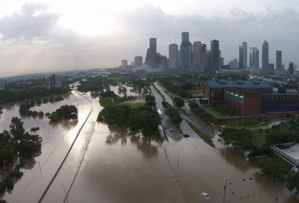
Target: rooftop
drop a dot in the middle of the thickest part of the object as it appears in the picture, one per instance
(238, 83)
(292, 151)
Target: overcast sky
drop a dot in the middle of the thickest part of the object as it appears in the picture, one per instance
(48, 35)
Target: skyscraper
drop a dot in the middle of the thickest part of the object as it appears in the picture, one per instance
(185, 51)
(265, 57)
(151, 54)
(278, 59)
(243, 55)
(196, 54)
(291, 68)
(124, 63)
(138, 61)
(215, 57)
(254, 57)
(204, 59)
(173, 56)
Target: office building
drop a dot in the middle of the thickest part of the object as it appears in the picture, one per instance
(173, 56)
(185, 52)
(55, 80)
(278, 59)
(151, 54)
(291, 68)
(138, 61)
(243, 55)
(124, 63)
(196, 54)
(251, 97)
(233, 63)
(214, 57)
(254, 57)
(265, 57)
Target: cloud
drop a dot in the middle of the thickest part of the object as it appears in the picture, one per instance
(41, 44)
(32, 22)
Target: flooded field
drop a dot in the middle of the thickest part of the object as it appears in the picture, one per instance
(109, 164)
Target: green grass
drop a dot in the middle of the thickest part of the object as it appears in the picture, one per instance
(134, 105)
(248, 122)
(259, 136)
(213, 111)
(203, 136)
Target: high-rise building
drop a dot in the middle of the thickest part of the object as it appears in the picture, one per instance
(138, 61)
(124, 63)
(151, 54)
(291, 68)
(243, 55)
(173, 56)
(278, 59)
(196, 54)
(185, 51)
(233, 63)
(204, 59)
(254, 57)
(265, 57)
(215, 57)
(55, 80)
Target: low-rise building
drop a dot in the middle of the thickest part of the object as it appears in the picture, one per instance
(249, 98)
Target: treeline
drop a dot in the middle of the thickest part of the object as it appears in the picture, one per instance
(201, 113)
(14, 144)
(64, 112)
(93, 84)
(181, 90)
(37, 92)
(142, 118)
(172, 113)
(272, 165)
(25, 107)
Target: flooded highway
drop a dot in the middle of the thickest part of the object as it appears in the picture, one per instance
(110, 164)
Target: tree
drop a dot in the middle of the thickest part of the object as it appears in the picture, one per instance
(274, 169)
(179, 102)
(238, 138)
(150, 100)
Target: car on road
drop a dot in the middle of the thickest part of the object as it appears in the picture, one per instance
(170, 129)
(205, 195)
(185, 135)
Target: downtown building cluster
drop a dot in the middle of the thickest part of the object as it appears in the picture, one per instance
(197, 57)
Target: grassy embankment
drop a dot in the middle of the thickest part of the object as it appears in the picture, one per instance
(203, 136)
(213, 111)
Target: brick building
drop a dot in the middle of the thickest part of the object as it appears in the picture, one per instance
(248, 98)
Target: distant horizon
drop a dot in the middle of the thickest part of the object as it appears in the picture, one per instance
(47, 36)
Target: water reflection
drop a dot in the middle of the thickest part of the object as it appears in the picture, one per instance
(143, 144)
(236, 159)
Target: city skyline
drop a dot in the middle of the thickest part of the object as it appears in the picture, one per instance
(49, 36)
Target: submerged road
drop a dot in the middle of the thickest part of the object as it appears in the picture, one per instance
(62, 175)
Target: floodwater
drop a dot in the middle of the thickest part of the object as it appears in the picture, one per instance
(112, 165)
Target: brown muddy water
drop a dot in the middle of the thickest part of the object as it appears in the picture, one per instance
(112, 165)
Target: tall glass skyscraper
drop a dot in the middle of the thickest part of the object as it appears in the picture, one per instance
(215, 57)
(196, 54)
(254, 57)
(151, 54)
(243, 55)
(185, 51)
(265, 57)
(278, 59)
(173, 56)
